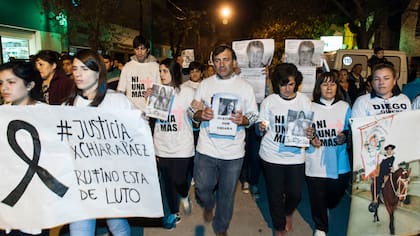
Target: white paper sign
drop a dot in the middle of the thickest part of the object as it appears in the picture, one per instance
(63, 164)
(159, 103)
(297, 123)
(224, 105)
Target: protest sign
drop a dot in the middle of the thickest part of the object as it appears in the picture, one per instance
(371, 136)
(63, 164)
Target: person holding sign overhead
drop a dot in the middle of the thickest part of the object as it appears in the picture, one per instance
(91, 90)
(20, 85)
(219, 158)
(174, 144)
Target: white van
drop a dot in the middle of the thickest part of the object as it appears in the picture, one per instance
(348, 58)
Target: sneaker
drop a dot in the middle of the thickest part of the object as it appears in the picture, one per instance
(186, 205)
(208, 214)
(245, 187)
(169, 222)
(319, 233)
(177, 218)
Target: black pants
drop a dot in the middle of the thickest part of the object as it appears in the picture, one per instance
(284, 183)
(251, 168)
(175, 172)
(324, 194)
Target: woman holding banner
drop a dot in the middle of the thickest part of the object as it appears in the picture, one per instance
(20, 85)
(174, 144)
(383, 99)
(91, 90)
(327, 165)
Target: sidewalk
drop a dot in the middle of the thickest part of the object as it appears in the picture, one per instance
(248, 220)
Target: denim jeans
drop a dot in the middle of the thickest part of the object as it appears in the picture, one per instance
(209, 172)
(117, 226)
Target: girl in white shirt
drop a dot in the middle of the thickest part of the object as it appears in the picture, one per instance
(91, 90)
(174, 143)
(20, 85)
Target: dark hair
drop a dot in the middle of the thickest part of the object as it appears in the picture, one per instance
(326, 77)
(66, 57)
(383, 66)
(221, 48)
(281, 74)
(140, 40)
(195, 65)
(94, 62)
(355, 65)
(106, 56)
(175, 70)
(49, 56)
(377, 49)
(26, 72)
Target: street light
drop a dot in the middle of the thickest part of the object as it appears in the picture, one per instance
(226, 13)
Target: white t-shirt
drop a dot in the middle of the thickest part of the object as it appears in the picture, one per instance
(191, 84)
(331, 159)
(135, 78)
(225, 147)
(174, 137)
(112, 100)
(274, 109)
(366, 105)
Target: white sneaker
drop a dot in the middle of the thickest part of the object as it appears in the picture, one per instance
(319, 233)
(245, 187)
(186, 205)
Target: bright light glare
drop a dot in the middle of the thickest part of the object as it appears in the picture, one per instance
(225, 11)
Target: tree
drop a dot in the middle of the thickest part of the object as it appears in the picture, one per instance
(93, 18)
(366, 16)
(293, 19)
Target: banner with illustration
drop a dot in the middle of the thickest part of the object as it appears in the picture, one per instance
(386, 184)
(63, 164)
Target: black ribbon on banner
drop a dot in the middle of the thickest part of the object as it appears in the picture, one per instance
(33, 167)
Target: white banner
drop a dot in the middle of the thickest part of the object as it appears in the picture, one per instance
(63, 164)
(370, 137)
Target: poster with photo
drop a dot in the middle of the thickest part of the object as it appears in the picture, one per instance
(160, 101)
(253, 56)
(388, 143)
(224, 105)
(307, 56)
(304, 52)
(188, 57)
(297, 122)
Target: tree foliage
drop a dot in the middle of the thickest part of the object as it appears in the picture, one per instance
(294, 19)
(366, 16)
(93, 18)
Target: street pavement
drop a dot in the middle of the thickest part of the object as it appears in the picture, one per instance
(248, 220)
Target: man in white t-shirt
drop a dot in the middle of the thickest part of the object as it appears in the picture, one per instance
(139, 74)
(219, 158)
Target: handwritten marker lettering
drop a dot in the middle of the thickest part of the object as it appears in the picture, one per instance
(33, 167)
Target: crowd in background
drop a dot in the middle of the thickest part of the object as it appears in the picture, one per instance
(214, 163)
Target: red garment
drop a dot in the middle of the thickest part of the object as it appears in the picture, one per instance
(60, 88)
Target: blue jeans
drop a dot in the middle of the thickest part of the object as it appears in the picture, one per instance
(209, 172)
(117, 226)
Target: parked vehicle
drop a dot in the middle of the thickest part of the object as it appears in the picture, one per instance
(348, 58)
